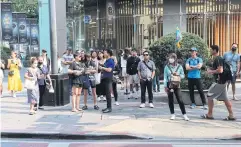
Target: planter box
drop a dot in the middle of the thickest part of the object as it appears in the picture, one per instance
(186, 97)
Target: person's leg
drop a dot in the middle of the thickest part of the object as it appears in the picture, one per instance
(234, 86)
(191, 90)
(229, 107)
(114, 87)
(171, 102)
(154, 83)
(41, 93)
(200, 90)
(149, 89)
(180, 100)
(70, 85)
(143, 92)
(108, 86)
(158, 83)
(74, 95)
(210, 108)
(85, 99)
(77, 102)
(94, 95)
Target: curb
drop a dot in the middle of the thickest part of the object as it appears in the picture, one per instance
(90, 136)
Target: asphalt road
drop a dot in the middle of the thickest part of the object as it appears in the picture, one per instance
(132, 143)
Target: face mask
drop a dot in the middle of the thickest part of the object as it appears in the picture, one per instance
(40, 63)
(171, 60)
(234, 49)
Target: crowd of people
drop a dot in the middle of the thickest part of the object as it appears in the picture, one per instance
(97, 73)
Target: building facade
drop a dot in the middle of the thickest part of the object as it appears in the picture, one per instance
(118, 24)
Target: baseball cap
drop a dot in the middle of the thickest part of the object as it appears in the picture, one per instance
(193, 49)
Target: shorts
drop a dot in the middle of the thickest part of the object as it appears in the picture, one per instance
(124, 74)
(234, 78)
(77, 85)
(218, 91)
(133, 79)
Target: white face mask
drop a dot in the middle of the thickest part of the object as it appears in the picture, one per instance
(35, 65)
(171, 60)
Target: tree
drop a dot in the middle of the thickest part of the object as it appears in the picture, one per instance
(30, 7)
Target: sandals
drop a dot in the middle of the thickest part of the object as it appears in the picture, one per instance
(228, 118)
(205, 116)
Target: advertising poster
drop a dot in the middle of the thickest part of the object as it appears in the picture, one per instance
(22, 23)
(6, 21)
(34, 31)
(15, 28)
(28, 31)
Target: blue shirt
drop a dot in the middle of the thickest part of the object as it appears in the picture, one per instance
(109, 63)
(167, 73)
(194, 74)
(232, 59)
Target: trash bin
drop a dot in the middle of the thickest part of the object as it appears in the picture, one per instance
(61, 96)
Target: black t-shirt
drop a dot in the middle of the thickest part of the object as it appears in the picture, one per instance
(219, 78)
(76, 66)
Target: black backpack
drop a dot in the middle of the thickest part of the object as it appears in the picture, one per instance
(227, 71)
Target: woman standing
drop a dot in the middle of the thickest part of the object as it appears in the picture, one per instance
(76, 70)
(123, 63)
(100, 88)
(89, 76)
(33, 74)
(174, 69)
(14, 79)
(2, 66)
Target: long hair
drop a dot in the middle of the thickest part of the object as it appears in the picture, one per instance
(174, 56)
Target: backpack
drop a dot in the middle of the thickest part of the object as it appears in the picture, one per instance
(227, 73)
(174, 80)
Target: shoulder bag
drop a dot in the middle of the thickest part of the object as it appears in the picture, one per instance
(175, 80)
(29, 84)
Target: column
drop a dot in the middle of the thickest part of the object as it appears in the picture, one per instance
(173, 16)
(58, 31)
(44, 26)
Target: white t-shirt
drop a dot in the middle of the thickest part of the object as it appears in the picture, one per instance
(123, 62)
(66, 57)
(1, 71)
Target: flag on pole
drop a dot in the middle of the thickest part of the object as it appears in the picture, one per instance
(178, 37)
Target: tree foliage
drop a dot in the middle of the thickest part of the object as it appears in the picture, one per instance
(167, 44)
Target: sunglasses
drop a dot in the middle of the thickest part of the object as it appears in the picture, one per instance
(145, 55)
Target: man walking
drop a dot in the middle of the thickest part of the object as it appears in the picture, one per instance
(233, 59)
(219, 90)
(193, 65)
(146, 71)
(132, 63)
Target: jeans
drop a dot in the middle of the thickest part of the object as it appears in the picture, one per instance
(196, 82)
(156, 83)
(107, 82)
(146, 84)
(42, 89)
(177, 93)
(114, 88)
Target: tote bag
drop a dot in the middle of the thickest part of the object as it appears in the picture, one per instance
(97, 78)
(29, 84)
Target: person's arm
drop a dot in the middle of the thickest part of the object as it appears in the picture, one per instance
(200, 64)
(26, 75)
(181, 72)
(165, 77)
(9, 63)
(109, 67)
(219, 69)
(187, 66)
(71, 69)
(153, 70)
(19, 63)
(139, 70)
(238, 66)
(2, 65)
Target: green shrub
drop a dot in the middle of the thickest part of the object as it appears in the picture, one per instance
(5, 54)
(167, 44)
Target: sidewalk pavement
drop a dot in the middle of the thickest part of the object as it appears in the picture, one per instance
(126, 121)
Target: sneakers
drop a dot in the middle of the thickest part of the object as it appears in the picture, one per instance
(99, 99)
(84, 107)
(14, 95)
(143, 105)
(235, 98)
(96, 107)
(205, 107)
(185, 117)
(173, 117)
(112, 96)
(103, 98)
(117, 104)
(151, 105)
(193, 106)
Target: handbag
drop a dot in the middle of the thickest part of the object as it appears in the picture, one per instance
(97, 78)
(175, 80)
(11, 73)
(29, 84)
(49, 87)
(86, 81)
